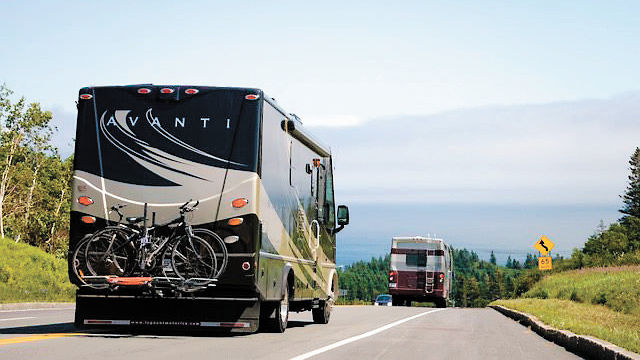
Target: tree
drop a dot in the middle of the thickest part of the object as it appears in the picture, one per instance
(631, 198)
(25, 132)
(492, 258)
(509, 264)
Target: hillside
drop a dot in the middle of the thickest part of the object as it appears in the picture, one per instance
(618, 288)
(600, 302)
(30, 274)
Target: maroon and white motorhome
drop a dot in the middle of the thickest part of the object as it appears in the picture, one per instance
(421, 269)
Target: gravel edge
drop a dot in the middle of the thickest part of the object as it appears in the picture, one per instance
(582, 345)
(36, 305)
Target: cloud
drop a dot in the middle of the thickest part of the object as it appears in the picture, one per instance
(332, 121)
(556, 153)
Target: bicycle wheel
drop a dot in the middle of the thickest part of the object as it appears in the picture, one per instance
(79, 261)
(219, 248)
(193, 257)
(110, 251)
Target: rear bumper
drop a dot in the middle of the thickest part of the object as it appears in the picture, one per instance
(417, 293)
(189, 313)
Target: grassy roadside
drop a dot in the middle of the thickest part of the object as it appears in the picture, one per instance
(618, 288)
(29, 274)
(584, 319)
(600, 302)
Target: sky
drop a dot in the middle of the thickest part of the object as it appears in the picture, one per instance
(468, 112)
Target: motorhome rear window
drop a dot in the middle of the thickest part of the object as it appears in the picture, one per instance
(416, 260)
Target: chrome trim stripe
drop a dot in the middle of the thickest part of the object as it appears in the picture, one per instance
(242, 254)
(286, 258)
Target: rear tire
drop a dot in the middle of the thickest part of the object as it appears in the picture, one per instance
(441, 303)
(322, 314)
(396, 301)
(278, 323)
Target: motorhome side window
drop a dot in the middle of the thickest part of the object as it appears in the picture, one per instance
(329, 206)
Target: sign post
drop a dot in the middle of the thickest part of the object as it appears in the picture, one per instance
(544, 246)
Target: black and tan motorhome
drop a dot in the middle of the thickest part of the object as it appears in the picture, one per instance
(261, 181)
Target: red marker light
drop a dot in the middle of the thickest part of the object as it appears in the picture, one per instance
(88, 219)
(252, 97)
(191, 91)
(85, 200)
(239, 202)
(166, 90)
(86, 96)
(144, 91)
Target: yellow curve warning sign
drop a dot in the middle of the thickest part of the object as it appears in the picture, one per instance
(544, 245)
(544, 263)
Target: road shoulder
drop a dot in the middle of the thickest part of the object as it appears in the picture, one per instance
(585, 346)
(36, 305)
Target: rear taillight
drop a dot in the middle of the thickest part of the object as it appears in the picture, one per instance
(393, 278)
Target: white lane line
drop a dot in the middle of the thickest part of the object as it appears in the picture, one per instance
(20, 318)
(42, 309)
(359, 337)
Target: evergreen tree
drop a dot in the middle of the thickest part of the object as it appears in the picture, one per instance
(631, 198)
(492, 258)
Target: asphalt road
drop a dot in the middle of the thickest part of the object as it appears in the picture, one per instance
(355, 332)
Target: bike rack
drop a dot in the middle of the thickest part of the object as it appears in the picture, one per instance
(158, 282)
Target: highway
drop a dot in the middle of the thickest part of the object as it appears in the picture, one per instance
(354, 332)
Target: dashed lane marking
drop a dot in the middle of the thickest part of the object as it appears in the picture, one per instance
(19, 318)
(361, 336)
(41, 309)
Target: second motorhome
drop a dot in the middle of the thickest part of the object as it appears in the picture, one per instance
(421, 269)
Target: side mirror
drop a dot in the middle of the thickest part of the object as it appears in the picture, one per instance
(343, 215)
(343, 218)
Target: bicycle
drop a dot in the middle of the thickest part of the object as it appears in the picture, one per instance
(128, 249)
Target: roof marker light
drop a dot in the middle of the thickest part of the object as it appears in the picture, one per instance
(88, 219)
(166, 90)
(144, 91)
(239, 202)
(85, 200)
(86, 96)
(191, 91)
(252, 97)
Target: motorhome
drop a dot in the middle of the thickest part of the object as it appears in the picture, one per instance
(421, 269)
(261, 182)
